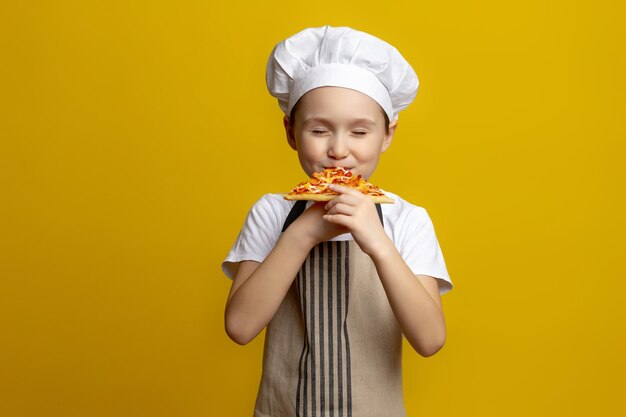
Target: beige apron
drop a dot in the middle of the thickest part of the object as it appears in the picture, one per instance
(334, 347)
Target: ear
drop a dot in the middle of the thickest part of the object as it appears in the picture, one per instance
(389, 136)
(289, 131)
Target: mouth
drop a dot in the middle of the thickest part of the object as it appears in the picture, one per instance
(334, 167)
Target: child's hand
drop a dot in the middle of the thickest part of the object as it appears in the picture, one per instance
(355, 211)
(313, 227)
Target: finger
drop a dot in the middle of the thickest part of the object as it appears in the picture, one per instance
(342, 189)
(339, 219)
(342, 208)
(343, 198)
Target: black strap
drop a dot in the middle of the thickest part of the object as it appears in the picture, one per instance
(295, 212)
(380, 214)
(300, 205)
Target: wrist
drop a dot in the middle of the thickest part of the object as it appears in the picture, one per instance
(299, 238)
(385, 249)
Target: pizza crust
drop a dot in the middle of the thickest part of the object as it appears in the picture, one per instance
(327, 197)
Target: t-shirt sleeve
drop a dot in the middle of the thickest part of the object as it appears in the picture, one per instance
(256, 238)
(420, 248)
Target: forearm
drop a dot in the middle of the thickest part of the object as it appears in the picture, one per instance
(255, 302)
(419, 316)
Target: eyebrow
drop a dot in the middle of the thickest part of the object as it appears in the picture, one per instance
(352, 121)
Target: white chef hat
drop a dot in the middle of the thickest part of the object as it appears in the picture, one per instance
(340, 57)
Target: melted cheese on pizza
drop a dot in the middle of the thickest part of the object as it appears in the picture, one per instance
(320, 181)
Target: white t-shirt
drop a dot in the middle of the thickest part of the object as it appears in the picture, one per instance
(408, 226)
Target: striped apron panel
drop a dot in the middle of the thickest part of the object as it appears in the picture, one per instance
(333, 348)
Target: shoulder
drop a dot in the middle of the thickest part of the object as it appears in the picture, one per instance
(272, 203)
(259, 232)
(405, 222)
(269, 210)
(402, 211)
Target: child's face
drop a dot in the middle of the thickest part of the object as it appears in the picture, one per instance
(337, 126)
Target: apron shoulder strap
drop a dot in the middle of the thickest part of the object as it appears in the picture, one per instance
(298, 209)
(380, 214)
(295, 212)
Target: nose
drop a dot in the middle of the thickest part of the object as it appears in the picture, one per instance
(338, 147)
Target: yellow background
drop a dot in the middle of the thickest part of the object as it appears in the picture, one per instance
(119, 120)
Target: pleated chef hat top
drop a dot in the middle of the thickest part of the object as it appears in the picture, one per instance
(340, 57)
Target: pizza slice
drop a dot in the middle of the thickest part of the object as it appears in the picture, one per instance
(316, 188)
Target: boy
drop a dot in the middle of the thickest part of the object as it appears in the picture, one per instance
(337, 284)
